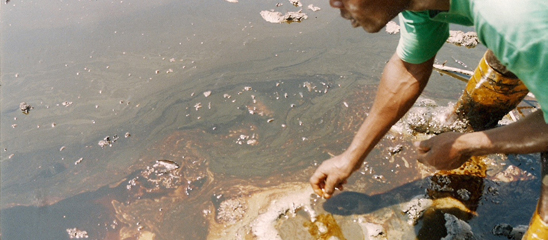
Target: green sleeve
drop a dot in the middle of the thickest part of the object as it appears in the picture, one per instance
(420, 37)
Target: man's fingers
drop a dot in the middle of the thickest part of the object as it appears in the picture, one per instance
(422, 146)
(329, 188)
(317, 182)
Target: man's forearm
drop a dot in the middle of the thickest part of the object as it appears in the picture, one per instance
(400, 86)
(529, 135)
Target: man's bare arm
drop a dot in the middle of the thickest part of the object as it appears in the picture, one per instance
(450, 150)
(400, 86)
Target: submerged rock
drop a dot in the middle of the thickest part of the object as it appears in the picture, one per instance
(457, 229)
(510, 232)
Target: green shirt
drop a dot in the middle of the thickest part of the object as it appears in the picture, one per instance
(515, 30)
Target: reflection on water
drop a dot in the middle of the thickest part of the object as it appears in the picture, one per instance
(241, 105)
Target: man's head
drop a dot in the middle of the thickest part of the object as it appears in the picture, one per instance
(373, 15)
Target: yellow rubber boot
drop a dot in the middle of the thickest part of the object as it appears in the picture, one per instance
(538, 229)
(490, 94)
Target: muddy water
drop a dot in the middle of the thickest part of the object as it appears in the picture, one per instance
(239, 104)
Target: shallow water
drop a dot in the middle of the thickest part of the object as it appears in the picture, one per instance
(233, 99)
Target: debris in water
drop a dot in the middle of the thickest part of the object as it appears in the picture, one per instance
(78, 161)
(392, 27)
(167, 165)
(198, 106)
(459, 62)
(232, 1)
(325, 227)
(127, 135)
(278, 17)
(107, 141)
(66, 103)
(394, 150)
(510, 232)
(296, 3)
(75, 233)
(207, 93)
(25, 108)
(464, 194)
(459, 38)
(62, 148)
(231, 210)
(457, 229)
(314, 8)
(309, 86)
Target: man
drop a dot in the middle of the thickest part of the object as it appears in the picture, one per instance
(516, 32)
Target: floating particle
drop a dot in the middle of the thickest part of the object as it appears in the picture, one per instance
(169, 70)
(107, 141)
(247, 88)
(207, 93)
(345, 104)
(78, 161)
(296, 3)
(53, 124)
(226, 96)
(14, 125)
(25, 108)
(103, 143)
(309, 86)
(270, 120)
(11, 155)
(75, 233)
(127, 135)
(313, 8)
(392, 28)
(166, 165)
(157, 71)
(198, 106)
(394, 150)
(66, 103)
(62, 148)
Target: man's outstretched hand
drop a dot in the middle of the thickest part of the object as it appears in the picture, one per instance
(330, 176)
(444, 152)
